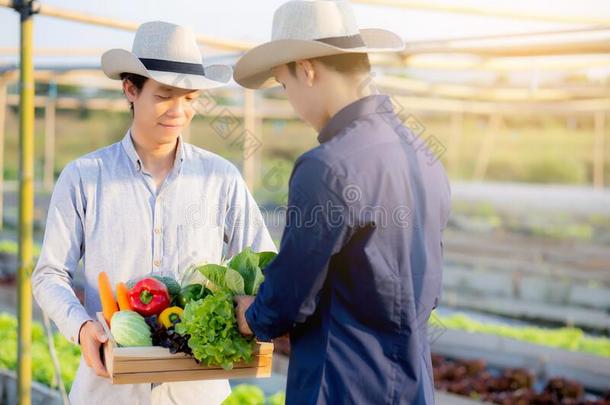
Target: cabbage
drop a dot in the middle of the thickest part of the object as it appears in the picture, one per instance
(130, 329)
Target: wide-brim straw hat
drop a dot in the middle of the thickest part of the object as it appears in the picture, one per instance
(169, 54)
(305, 29)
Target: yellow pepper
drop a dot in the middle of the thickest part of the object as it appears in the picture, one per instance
(170, 316)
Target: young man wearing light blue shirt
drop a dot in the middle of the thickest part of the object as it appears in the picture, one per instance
(149, 203)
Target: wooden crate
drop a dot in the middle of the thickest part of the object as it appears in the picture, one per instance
(154, 364)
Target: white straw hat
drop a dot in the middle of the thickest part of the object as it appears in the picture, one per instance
(304, 29)
(169, 54)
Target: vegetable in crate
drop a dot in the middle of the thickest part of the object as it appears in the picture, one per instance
(170, 316)
(243, 274)
(121, 297)
(214, 338)
(149, 296)
(168, 338)
(222, 277)
(192, 292)
(130, 329)
(109, 305)
(173, 288)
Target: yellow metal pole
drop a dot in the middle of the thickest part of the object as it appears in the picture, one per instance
(26, 201)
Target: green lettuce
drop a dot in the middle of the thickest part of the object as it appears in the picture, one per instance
(243, 274)
(214, 338)
(210, 322)
(264, 258)
(246, 264)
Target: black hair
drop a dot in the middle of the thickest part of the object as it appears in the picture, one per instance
(136, 80)
(348, 63)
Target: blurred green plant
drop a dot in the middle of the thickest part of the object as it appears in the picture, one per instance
(246, 394)
(279, 398)
(572, 339)
(552, 225)
(555, 170)
(42, 366)
(480, 215)
(11, 247)
(583, 232)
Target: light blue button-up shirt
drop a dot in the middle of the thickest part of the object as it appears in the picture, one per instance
(107, 211)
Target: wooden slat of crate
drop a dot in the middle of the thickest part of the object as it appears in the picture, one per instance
(132, 365)
(190, 375)
(134, 353)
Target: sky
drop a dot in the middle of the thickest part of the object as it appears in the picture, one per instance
(251, 21)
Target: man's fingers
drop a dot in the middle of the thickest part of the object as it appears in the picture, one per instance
(86, 358)
(101, 335)
(238, 300)
(96, 362)
(91, 354)
(242, 303)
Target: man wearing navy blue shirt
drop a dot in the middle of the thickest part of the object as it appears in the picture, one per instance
(359, 267)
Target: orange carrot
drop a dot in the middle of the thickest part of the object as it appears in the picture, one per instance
(121, 296)
(109, 305)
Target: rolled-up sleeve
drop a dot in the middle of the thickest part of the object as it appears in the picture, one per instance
(244, 225)
(317, 227)
(61, 252)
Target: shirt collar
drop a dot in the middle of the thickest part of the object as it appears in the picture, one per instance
(130, 149)
(374, 104)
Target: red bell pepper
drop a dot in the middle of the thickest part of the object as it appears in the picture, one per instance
(148, 297)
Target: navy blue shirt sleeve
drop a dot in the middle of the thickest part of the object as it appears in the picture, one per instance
(317, 227)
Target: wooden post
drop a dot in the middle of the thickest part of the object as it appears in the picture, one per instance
(49, 138)
(3, 107)
(252, 141)
(598, 149)
(457, 123)
(495, 121)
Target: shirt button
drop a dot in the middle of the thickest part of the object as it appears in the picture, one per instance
(157, 263)
(157, 230)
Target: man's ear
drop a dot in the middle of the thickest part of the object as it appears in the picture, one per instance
(308, 70)
(130, 90)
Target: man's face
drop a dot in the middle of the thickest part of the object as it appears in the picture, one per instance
(161, 112)
(304, 93)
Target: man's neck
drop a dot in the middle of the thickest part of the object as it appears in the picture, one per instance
(345, 93)
(156, 158)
